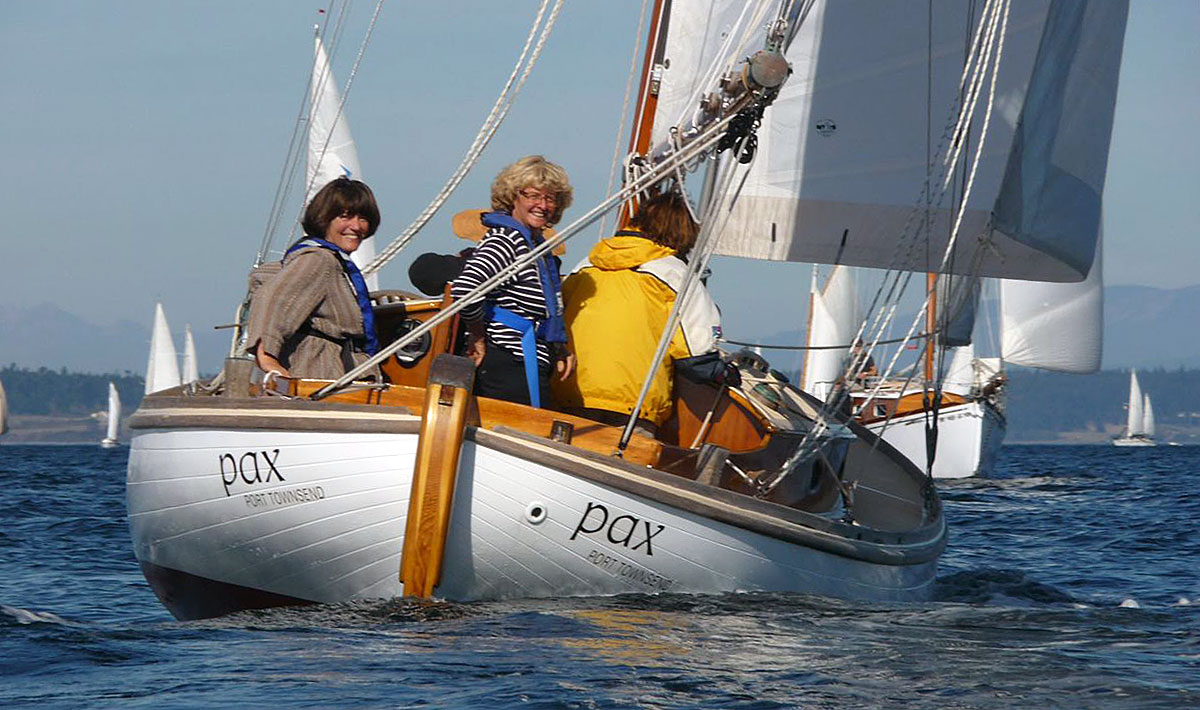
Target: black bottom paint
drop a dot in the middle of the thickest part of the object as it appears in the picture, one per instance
(189, 597)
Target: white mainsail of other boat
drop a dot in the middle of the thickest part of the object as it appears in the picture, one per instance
(113, 426)
(331, 150)
(162, 369)
(1147, 417)
(1139, 421)
(833, 320)
(1053, 326)
(1136, 420)
(3, 410)
(191, 371)
(833, 180)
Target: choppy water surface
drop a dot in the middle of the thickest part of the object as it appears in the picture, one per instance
(1072, 580)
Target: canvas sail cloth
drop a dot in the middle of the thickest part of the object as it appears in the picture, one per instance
(1147, 417)
(843, 150)
(1056, 327)
(331, 151)
(191, 370)
(1136, 421)
(3, 410)
(114, 414)
(834, 321)
(162, 369)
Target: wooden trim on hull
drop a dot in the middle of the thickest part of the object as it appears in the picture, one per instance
(270, 414)
(189, 597)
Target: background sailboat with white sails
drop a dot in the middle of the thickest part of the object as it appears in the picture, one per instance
(1139, 425)
(112, 425)
(162, 368)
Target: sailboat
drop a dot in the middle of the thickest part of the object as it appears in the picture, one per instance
(969, 413)
(249, 493)
(3, 410)
(113, 421)
(1139, 425)
(190, 372)
(162, 368)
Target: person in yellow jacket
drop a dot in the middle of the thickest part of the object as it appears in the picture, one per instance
(617, 302)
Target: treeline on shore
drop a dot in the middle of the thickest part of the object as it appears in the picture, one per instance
(47, 392)
(1040, 404)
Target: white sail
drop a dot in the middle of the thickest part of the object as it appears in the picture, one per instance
(1136, 418)
(162, 369)
(113, 427)
(1147, 417)
(1057, 327)
(834, 322)
(331, 150)
(191, 371)
(3, 410)
(960, 372)
(842, 152)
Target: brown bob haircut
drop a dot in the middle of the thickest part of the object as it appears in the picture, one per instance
(540, 174)
(665, 219)
(338, 197)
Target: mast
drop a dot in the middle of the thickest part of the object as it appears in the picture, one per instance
(643, 117)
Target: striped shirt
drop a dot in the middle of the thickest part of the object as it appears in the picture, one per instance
(521, 294)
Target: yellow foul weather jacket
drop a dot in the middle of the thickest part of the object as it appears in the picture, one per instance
(617, 304)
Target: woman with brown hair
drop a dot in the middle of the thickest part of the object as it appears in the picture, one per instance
(314, 319)
(618, 301)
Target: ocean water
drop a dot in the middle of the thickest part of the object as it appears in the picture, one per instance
(1072, 580)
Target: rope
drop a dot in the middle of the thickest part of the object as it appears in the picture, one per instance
(490, 125)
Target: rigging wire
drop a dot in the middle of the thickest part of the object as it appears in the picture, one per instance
(490, 125)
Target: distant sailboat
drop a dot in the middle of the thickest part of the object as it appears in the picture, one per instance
(3, 410)
(331, 151)
(1139, 426)
(162, 369)
(114, 418)
(191, 371)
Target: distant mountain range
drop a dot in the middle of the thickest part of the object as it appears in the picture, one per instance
(1144, 327)
(47, 336)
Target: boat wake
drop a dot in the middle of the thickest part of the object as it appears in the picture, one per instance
(999, 586)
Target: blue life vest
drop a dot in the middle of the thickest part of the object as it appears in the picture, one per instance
(550, 330)
(361, 294)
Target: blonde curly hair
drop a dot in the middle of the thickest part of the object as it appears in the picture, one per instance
(540, 174)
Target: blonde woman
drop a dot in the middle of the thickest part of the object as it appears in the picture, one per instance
(516, 335)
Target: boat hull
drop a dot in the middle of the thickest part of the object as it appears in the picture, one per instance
(224, 519)
(969, 439)
(1133, 441)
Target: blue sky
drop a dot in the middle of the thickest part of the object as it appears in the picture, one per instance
(143, 141)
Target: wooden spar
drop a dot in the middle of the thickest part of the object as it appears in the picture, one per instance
(449, 406)
(643, 118)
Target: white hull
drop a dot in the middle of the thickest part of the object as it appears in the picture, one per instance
(969, 439)
(1134, 441)
(225, 519)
